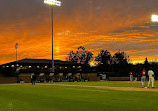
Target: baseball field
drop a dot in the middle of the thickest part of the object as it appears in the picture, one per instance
(79, 96)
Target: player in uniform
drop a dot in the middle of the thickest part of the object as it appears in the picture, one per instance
(143, 78)
(131, 76)
(151, 78)
(33, 79)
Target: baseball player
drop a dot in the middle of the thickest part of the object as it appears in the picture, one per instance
(143, 78)
(151, 78)
(131, 76)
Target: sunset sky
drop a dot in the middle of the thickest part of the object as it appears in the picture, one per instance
(94, 24)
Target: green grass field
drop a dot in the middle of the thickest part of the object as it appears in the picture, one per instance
(51, 97)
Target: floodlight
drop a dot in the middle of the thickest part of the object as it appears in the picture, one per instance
(52, 2)
(154, 18)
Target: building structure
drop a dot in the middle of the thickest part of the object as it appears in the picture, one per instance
(64, 71)
(38, 66)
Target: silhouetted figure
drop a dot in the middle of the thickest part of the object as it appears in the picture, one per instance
(33, 79)
(21, 80)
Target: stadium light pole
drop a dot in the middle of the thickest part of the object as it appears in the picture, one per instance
(16, 47)
(16, 65)
(52, 3)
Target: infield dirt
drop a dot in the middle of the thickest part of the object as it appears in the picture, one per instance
(113, 88)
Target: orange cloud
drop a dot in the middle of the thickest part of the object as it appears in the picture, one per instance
(96, 25)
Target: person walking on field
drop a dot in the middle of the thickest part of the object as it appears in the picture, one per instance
(131, 76)
(143, 78)
(33, 79)
(151, 78)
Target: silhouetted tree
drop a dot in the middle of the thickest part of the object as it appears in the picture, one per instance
(80, 56)
(120, 64)
(120, 57)
(146, 64)
(104, 57)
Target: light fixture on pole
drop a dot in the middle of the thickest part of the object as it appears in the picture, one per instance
(52, 2)
(56, 3)
(154, 18)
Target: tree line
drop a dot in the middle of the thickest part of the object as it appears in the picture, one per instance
(104, 57)
(117, 65)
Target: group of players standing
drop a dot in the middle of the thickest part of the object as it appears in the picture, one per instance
(143, 78)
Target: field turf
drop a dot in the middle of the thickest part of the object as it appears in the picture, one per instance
(57, 97)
